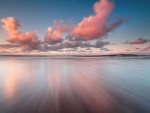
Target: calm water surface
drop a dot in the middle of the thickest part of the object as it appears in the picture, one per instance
(75, 85)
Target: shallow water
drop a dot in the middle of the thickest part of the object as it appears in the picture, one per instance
(75, 85)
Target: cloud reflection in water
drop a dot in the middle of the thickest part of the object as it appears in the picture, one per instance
(79, 85)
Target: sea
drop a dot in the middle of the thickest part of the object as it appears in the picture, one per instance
(108, 84)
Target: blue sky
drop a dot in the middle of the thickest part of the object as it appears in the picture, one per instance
(39, 14)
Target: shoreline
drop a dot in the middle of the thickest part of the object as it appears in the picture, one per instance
(111, 55)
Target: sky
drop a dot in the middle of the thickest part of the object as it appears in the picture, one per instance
(75, 26)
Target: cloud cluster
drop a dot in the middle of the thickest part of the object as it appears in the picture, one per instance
(93, 27)
(139, 41)
(74, 44)
(54, 34)
(7, 46)
(28, 40)
(96, 26)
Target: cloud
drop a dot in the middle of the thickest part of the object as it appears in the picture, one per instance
(61, 45)
(5, 52)
(113, 44)
(88, 48)
(96, 26)
(7, 46)
(104, 49)
(128, 49)
(101, 43)
(82, 51)
(127, 42)
(61, 26)
(137, 48)
(55, 47)
(67, 44)
(60, 50)
(28, 40)
(92, 27)
(139, 41)
(72, 44)
(73, 49)
(145, 49)
(52, 37)
(54, 34)
(86, 44)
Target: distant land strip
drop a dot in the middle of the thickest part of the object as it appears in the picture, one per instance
(112, 55)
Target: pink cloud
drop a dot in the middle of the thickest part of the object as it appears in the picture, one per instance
(54, 34)
(139, 41)
(61, 26)
(52, 37)
(29, 40)
(95, 26)
(11, 24)
(92, 27)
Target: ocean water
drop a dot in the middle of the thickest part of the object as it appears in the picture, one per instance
(75, 85)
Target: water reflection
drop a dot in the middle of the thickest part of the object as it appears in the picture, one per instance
(10, 83)
(79, 85)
